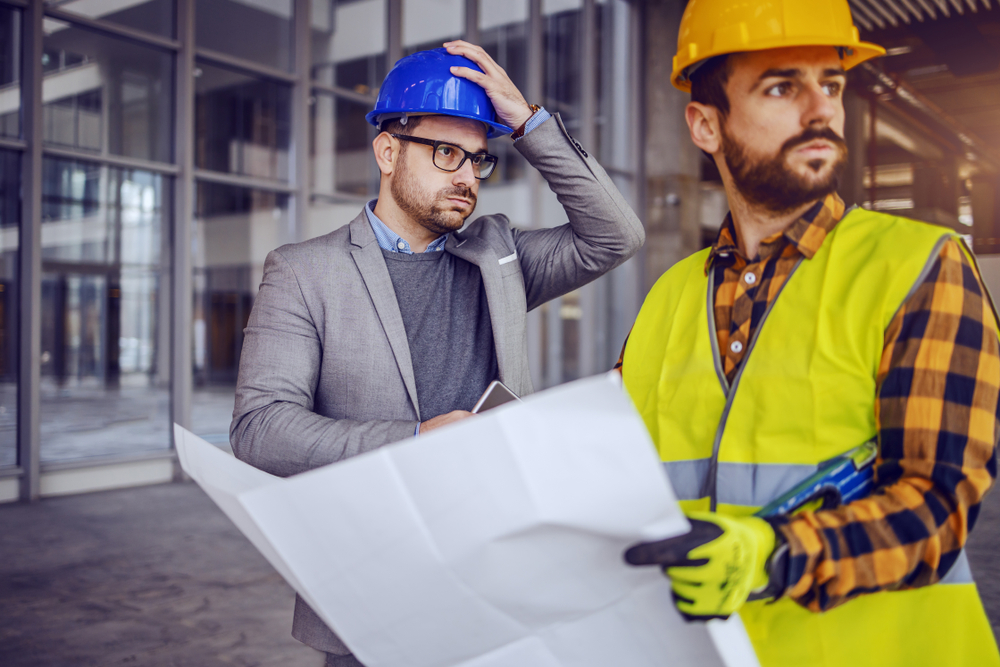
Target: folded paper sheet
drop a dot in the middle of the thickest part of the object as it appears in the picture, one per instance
(494, 542)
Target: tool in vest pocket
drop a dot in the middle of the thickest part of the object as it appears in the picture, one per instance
(837, 481)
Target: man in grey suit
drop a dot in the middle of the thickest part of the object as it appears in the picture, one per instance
(394, 324)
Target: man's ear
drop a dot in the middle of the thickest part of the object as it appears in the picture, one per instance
(704, 124)
(386, 153)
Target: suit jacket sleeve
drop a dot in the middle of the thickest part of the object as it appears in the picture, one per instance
(602, 233)
(274, 427)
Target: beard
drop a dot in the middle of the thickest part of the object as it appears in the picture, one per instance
(435, 213)
(771, 184)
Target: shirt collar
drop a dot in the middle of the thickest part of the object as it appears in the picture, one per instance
(806, 233)
(390, 241)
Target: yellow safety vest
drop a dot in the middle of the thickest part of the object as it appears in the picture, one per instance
(805, 392)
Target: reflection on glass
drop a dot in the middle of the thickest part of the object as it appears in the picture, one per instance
(105, 94)
(155, 16)
(427, 24)
(234, 229)
(256, 30)
(349, 44)
(105, 318)
(503, 29)
(10, 218)
(570, 315)
(614, 108)
(562, 53)
(242, 123)
(327, 214)
(342, 147)
(10, 72)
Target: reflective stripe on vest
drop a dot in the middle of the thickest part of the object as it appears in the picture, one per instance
(804, 393)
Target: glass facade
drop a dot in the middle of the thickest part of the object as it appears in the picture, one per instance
(429, 23)
(10, 72)
(259, 31)
(349, 43)
(10, 221)
(164, 188)
(153, 16)
(341, 147)
(105, 347)
(233, 230)
(242, 123)
(106, 95)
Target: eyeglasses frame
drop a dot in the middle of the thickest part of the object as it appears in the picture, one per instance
(434, 143)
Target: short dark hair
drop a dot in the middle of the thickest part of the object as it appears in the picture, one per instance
(708, 83)
(394, 126)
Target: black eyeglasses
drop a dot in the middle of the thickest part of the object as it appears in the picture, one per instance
(449, 157)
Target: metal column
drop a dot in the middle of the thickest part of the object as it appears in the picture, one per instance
(184, 197)
(394, 32)
(30, 261)
(592, 339)
(472, 21)
(301, 94)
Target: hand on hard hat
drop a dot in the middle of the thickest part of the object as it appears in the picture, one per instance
(511, 107)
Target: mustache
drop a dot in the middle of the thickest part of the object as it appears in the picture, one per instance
(458, 191)
(812, 134)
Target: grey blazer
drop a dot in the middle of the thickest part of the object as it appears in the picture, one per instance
(325, 372)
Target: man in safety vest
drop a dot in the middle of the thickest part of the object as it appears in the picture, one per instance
(808, 328)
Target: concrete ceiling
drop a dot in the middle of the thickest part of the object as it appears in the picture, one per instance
(947, 51)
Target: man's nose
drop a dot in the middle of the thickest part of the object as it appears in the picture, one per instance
(466, 175)
(820, 108)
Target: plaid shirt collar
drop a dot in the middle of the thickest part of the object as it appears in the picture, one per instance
(806, 233)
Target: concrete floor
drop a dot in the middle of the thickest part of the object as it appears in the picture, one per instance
(157, 576)
(153, 576)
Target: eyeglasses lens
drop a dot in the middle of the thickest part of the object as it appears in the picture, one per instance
(449, 158)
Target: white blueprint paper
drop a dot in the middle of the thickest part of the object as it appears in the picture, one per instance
(494, 542)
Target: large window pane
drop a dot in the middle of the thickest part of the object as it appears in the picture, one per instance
(349, 44)
(342, 156)
(10, 72)
(257, 30)
(242, 123)
(563, 56)
(327, 214)
(234, 229)
(614, 79)
(105, 311)
(155, 16)
(427, 24)
(10, 220)
(105, 94)
(503, 29)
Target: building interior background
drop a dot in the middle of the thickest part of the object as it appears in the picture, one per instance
(155, 151)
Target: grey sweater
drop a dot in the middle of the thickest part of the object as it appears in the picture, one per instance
(447, 321)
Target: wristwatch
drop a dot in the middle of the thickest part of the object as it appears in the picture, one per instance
(519, 132)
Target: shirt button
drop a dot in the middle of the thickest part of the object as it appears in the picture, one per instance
(736, 346)
(750, 278)
(401, 245)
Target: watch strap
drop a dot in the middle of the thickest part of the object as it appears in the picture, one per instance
(519, 132)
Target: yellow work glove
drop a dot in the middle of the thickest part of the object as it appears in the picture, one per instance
(731, 566)
(714, 568)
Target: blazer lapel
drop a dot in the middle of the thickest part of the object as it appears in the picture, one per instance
(368, 257)
(476, 251)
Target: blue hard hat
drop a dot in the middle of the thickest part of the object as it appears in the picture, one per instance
(422, 83)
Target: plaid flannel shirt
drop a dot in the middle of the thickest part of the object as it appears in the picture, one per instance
(936, 409)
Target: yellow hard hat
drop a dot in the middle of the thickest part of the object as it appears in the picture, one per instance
(716, 27)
